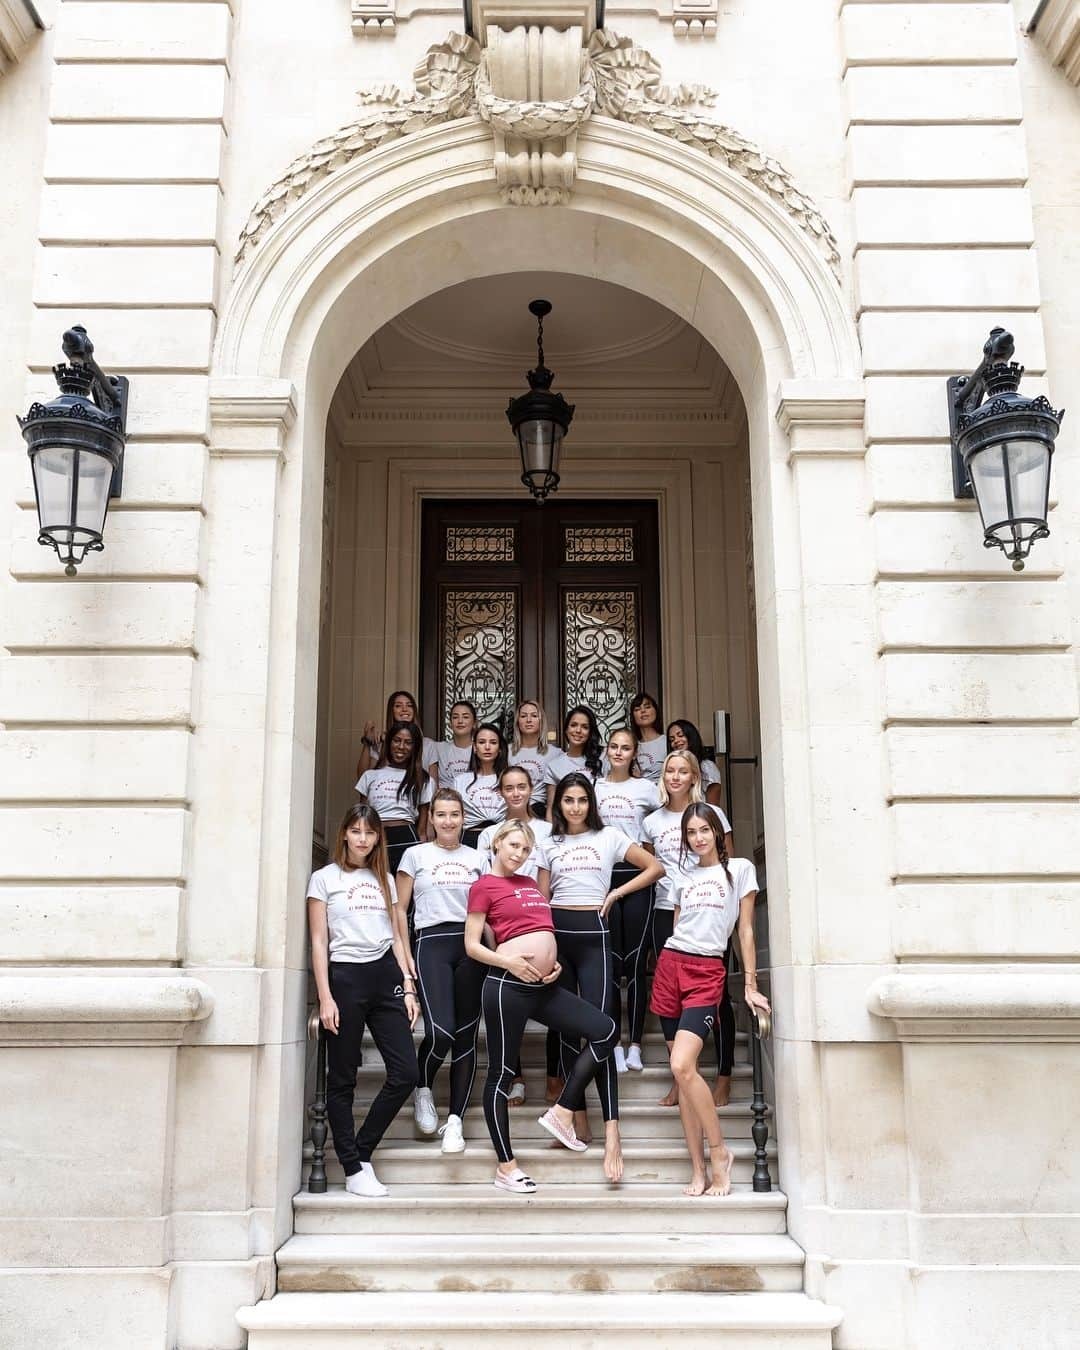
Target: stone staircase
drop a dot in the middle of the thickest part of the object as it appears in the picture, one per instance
(448, 1261)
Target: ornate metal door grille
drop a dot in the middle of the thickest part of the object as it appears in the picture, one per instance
(600, 652)
(479, 651)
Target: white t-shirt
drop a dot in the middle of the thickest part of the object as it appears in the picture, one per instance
(651, 756)
(580, 865)
(483, 800)
(356, 917)
(429, 752)
(452, 760)
(708, 906)
(558, 764)
(710, 774)
(441, 881)
(625, 805)
(380, 787)
(534, 760)
(541, 830)
(663, 829)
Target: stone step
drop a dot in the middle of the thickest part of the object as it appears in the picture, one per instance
(555, 1208)
(570, 1262)
(410, 1160)
(637, 1120)
(579, 1321)
(648, 1086)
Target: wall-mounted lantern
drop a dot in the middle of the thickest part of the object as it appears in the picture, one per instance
(76, 447)
(540, 419)
(1002, 445)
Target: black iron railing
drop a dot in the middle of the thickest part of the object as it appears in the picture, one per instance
(317, 1110)
(760, 1028)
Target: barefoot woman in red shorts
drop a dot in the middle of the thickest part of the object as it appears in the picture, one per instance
(710, 900)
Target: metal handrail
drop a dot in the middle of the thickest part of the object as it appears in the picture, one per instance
(760, 1029)
(317, 1109)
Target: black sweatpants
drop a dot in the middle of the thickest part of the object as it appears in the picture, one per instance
(630, 926)
(400, 835)
(508, 1004)
(368, 993)
(723, 1031)
(585, 956)
(449, 983)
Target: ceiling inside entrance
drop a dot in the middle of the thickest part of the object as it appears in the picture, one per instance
(471, 344)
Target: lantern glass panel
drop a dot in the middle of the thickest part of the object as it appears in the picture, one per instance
(1011, 481)
(95, 480)
(54, 478)
(540, 440)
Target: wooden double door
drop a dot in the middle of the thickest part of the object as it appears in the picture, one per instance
(559, 603)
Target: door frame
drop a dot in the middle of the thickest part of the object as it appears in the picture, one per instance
(667, 482)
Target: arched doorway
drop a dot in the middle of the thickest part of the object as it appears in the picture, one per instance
(419, 216)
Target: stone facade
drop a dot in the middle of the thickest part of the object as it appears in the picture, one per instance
(841, 197)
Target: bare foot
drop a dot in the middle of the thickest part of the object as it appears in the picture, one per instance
(613, 1161)
(581, 1126)
(722, 1172)
(721, 1090)
(672, 1099)
(698, 1182)
(554, 1090)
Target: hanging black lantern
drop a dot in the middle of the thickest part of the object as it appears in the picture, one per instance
(1002, 445)
(76, 447)
(540, 419)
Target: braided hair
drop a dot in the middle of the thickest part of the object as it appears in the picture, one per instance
(704, 812)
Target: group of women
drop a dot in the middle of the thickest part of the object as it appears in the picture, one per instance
(524, 882)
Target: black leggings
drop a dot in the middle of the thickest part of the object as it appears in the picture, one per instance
(470, 836)
(723, 1031)
(400, 835)
(508, 1004)
(368, 993)
(585, 956)
(630, 924)
(449, 983)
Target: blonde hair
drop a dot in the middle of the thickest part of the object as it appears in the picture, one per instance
(509, 827)
(696, 795)
(542, 734)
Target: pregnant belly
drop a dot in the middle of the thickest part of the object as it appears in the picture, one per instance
(538, 947)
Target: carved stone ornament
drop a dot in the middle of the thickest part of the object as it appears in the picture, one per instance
(535, 137)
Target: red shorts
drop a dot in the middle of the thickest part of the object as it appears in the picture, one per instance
(684, 981)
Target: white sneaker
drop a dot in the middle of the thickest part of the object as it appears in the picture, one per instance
(424, 1113)
(365, 1183)
(633, 1059)
(453, 1139)
(620, 1059)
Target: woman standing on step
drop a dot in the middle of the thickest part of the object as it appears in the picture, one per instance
(623, 802)
(435, 879)
(578, 859)
(516, 789)
(479, 787)
(680, 787)
(362, 977)
(453, 755)
(400, 707)
(710, 899)
(652, 745)
(683, 735)
(529, 747)
(522, 984)
(400, 789)
(580, 752)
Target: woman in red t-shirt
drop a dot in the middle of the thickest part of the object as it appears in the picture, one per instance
(520, 986)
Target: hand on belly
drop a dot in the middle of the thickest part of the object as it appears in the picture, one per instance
(537, 948)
